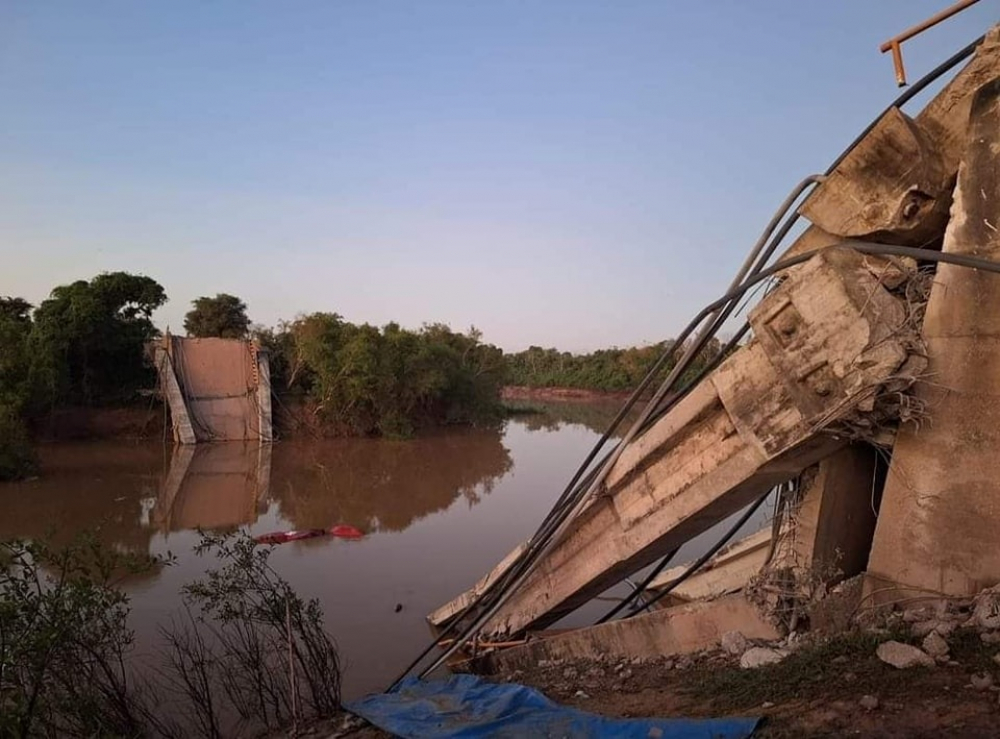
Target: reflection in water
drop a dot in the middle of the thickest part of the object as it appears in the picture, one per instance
(442, 510)
(107, 488)
(380, 485)
(595, 416)
(213, 486)
(126, 493)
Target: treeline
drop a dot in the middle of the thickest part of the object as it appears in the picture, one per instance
(81, 346)
(612, 370)
(85, 346)
(386, 381)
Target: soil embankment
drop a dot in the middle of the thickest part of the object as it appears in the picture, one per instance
(86, 424)
(832, 688)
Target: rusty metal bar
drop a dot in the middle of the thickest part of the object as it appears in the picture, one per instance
(895, 43)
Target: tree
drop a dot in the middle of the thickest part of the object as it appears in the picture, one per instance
(224, 316)
(88, 339)
(15, 357)
(389, 381)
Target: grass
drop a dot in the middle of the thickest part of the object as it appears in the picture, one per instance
(814, 671)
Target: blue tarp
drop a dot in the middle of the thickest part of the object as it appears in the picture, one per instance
(465, 707)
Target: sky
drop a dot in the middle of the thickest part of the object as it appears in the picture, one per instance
(565, 173)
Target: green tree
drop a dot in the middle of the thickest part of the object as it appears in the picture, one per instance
(390, 381)
(224, 316)
(87, 341)
(15, 357)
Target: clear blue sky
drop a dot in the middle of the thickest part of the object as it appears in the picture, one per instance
(575, 174)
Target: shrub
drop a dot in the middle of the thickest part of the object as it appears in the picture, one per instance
(17, 456)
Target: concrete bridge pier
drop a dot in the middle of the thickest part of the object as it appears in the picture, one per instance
(940, 518)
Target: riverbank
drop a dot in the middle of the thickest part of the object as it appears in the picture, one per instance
(828, 688)
(558, 394)
(294, 418)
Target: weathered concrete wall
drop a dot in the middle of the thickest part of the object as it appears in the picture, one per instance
(940, 517)
(218, 389)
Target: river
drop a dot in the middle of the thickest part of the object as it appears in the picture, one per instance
(439, 511)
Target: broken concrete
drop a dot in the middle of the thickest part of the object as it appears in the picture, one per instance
(836, 348)
(683, 629)
(827, 339)
(896, 185)
(760, 656)
(903, 656)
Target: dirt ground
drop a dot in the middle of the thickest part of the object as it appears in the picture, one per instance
(834, 688)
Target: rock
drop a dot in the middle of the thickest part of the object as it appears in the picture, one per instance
(922, 628)
(981, 682)
(625, 674)
(766, 704)
(684, 663)
(990, 637)
(595, 673)
(760, 656)
(668, 665)
(842, 659)
(570, 674)
(734, 643)
(945, 627)
(935, 645)
(986, 611)
(903, 656)
(581, 694)
(996, 658)
(913, 615)
(868, 702)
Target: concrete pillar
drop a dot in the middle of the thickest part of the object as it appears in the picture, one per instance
(828, 537)
(835, 522)
(171, 389)
(940, 516)
(264, 395)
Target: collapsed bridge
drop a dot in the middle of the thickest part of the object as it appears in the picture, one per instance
(866, 397)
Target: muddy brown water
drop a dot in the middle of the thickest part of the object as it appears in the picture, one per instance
(440, 511)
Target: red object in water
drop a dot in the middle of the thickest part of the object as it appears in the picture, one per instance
(346, 532)
(280, 537)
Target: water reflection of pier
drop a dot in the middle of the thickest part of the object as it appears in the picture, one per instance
(213, 486)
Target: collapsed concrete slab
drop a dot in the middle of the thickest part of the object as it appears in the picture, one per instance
(824, 534)
(683, 629)
(896, 185)
(827, 342)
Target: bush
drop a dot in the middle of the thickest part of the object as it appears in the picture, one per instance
(17, 456)
(246, 656)
(248, 648)
(390, 381)
(63, 642)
